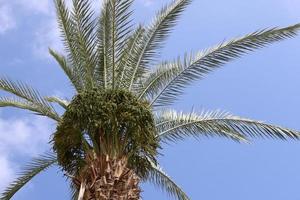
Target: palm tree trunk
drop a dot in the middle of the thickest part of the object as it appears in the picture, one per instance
(108, 178)
(81, 191)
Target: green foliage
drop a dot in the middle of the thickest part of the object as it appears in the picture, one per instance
(109, 62)
(173, 126)
(73, 191)
(32, 169)
(84, 38)
(129, 57)
(114, 122)
(68, 145)
(153, 38)
(161, 179)
(169, 80)
(113, 31)
(62, 102)
(69, 71)
(30, 99)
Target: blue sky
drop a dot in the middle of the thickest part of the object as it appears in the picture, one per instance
(263, 85)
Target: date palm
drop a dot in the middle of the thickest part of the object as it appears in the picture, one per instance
(107, 140)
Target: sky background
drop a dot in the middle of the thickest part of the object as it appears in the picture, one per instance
(263, 85)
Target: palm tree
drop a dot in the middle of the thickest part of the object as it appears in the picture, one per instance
(107, 140)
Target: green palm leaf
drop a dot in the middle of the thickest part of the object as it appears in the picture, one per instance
(105, 57)
(68, 35)
(158, 79)
(62, 102)
(37, 109)
(66, 26)
(69, 71)
(128, 57)
(73, 191)
(85, 37)
(160, 178)
(103, 51)
(172, 126)
(154, 37)
(29, 95)
(35, 167)
(173, 80)
(113, 31)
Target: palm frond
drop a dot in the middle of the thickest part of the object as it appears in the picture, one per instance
(173, 126)
(35, 167)
(196, 67)
(157, 79)
(73, 191)
(159, 178)
(114, 28)
(62, 102)
(30, 95)
(85, 37)
(22, 104)
(66, 26)
(154, 37)
(69, 71)
(68, 34)
(103, 51)
(128, 57)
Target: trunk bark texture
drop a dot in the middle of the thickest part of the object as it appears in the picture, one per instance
(108, 179)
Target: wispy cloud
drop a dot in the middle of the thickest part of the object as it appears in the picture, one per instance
(35, 6)
(147, 2)
(21, 138)
(24, 136)
(6, 172)
(7, 20)
(48, 35)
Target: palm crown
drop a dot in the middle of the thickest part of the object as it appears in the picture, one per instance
(116, 109)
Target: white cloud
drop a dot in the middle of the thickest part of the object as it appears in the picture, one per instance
(6, 172)
(36, 6)
(24, 136)
(21, 138)
(147, 2)
(40, 7)
(7, 20)
(47, 36)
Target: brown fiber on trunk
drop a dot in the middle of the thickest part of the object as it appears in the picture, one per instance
(108, 178)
